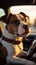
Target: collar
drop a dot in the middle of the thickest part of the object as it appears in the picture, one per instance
(10, 40)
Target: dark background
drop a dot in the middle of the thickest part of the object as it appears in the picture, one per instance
(7, 3)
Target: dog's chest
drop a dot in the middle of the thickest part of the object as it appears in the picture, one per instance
(13, 49)
(9, 47)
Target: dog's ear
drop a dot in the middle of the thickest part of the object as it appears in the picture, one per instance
(23, 14)
(24, 17)
(8, 18)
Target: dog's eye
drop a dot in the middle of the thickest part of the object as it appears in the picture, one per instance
(16, 22)
(24, 26)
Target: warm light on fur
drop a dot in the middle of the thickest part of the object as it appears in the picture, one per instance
(18, 49)
(1, 27)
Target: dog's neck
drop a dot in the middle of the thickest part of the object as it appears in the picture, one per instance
(7, 34)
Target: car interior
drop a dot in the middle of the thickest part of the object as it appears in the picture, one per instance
(16, 6)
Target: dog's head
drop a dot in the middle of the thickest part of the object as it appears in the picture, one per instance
(16, 26)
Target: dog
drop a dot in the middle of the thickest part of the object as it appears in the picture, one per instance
(12, 39)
